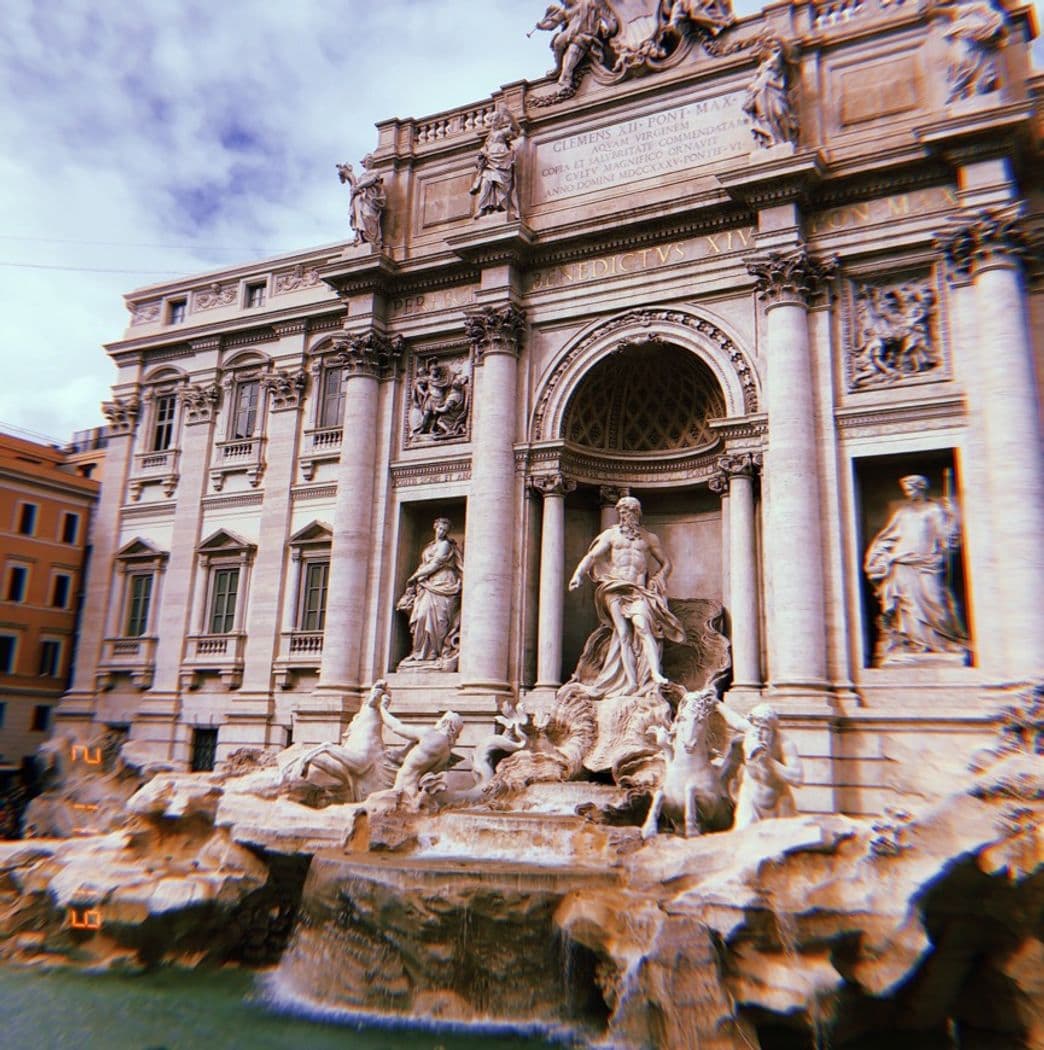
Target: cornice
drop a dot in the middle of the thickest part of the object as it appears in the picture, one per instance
(492, 241)
(365, 271)
(786, 177)
(149, 510)
(941, 411)
(431, 472)
(301, 493)
(246, 499)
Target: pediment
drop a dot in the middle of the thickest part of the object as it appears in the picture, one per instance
(314, 532)
(225, 541)
(140, 549)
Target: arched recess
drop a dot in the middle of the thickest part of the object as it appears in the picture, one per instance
(730, 365)
(164, 374)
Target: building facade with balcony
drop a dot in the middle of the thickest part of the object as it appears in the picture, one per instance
(753, 277)
(45, 517)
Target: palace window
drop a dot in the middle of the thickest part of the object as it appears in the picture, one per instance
(331, 405)
(7, 653)
(3, 712)
(224, 590)
(176, 310)
(27, 519)
(50, 658)
(204, 750)
(244, 410)
(60, 590)
(255, 293)
(313, 595)
(41, 720)
(164, 412)
(139, 601)
(70, 527)
(17, 583)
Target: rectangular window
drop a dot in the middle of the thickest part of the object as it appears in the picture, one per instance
(60, 592)
(3, 711)
(204, 749)
(313, 598)
(17, 582)
(244, 421)
(255, 294)
(7, 653)
(50, 658)
(70, 527)
(163, 422)
(139, 600)
(331, 411)
(223, 600)
(176, 311)
(41, 719)
(27, 519)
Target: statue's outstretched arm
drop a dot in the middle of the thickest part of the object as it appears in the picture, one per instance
(600, 547)
(405, 731)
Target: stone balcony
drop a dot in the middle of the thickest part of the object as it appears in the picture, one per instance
(150, 468)
(238, 456)
(322, 445)
(298, 651)
(132, 657)
(220, 654)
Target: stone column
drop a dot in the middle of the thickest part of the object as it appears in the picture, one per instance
(367, 358)
(608, 497)
(989, 245)
(786, 282)
(122, 415)
(496, 334)
(735, 479)
(554, 488)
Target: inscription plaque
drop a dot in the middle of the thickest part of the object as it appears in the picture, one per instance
(689, 136)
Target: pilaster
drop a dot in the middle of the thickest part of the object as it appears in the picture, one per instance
(553, 488)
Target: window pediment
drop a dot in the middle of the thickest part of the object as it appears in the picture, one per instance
(225, 541)
(317, 532)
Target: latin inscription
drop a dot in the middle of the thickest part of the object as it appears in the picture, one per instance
(657, 144)
(883, 209)
(640, 259)
(432, 302)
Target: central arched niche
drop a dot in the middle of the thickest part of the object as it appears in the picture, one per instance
(646, 398)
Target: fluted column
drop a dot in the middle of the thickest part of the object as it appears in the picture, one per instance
(989, 245)
(735, 479)
(495, 333)
(554, 488)
(787, 281)
(366, 358)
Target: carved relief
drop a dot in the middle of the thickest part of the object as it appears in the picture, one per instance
(214, 296)
(976, 33)
(768, 101)
(286, 387)
(200, 401)
(791, 277)
(495, 330)
(439, 408)
(122, 414)
(296, 278)
(368, 201)
(496, 181)
(146, 313)
(627, 38)
(894, 334)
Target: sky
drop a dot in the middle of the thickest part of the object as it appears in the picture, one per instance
(144, 141)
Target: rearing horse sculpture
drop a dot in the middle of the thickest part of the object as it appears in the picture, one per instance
(695, 791)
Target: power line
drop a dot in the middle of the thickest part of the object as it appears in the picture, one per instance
(131, 244)
(92, 269)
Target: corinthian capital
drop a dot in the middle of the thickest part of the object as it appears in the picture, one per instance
(495, 330)
(285, 386)
(988, 237)
(367, 354)
(122, 414)
(735, 465)
(552, 484)
(791, 277)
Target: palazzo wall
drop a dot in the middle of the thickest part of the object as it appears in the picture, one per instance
(754, 281)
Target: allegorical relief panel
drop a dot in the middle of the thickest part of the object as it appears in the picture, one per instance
(893, 333)
(438, 407)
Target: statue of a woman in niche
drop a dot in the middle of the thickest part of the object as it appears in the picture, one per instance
(432, 599)
(767, 101)
(907, 562)
(496, 183)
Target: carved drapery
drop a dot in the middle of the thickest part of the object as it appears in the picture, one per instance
(495, 330)
(988, 237)
(122, 414)
(286, 388)
(791, 277)
(200, 401)
(368, 354)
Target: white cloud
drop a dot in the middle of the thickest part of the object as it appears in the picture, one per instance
(159, 138)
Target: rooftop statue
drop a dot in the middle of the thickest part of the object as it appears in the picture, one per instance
(907, 562)
(368, 202)
(496, 178)
(768, 102)
(432, 599)
(977, 31)
(622, 657)
(583, 29)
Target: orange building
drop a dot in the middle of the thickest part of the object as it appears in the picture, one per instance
(45, 514)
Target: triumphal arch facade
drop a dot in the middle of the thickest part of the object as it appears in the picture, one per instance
(777, 278)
